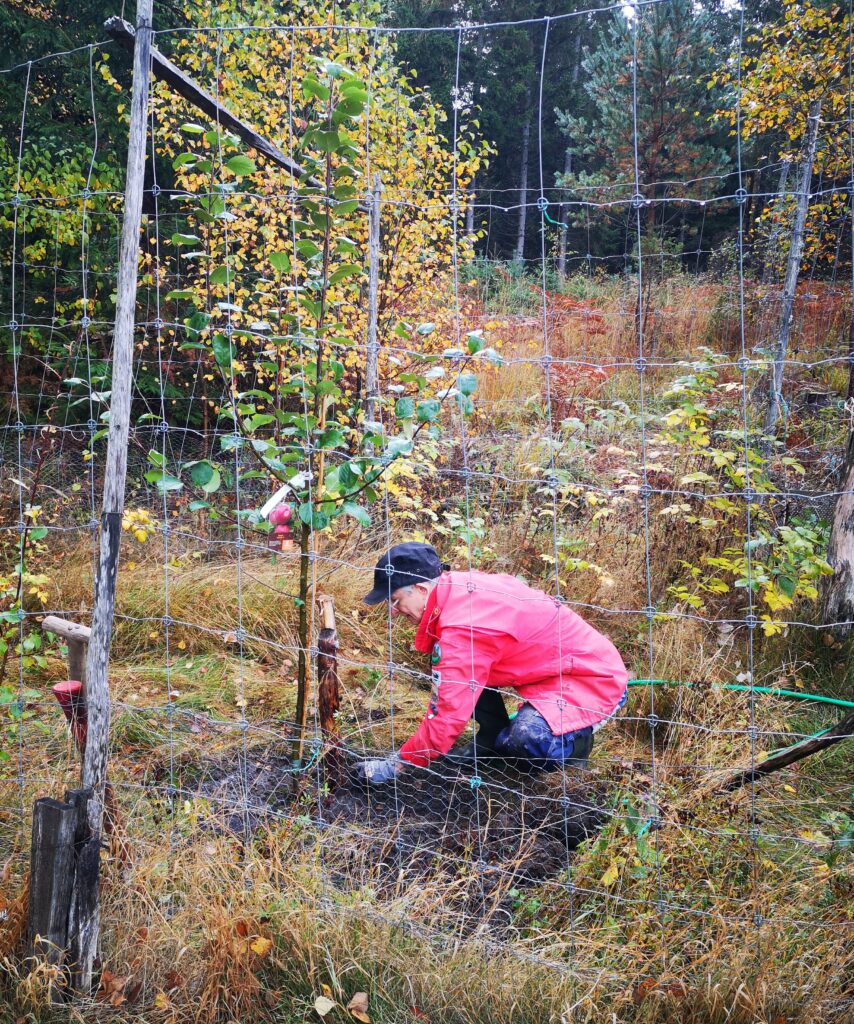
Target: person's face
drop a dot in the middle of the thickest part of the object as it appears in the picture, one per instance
(409, 602)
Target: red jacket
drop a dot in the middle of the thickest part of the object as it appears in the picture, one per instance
(485, 629)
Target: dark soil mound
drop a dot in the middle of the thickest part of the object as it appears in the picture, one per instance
(484, 837)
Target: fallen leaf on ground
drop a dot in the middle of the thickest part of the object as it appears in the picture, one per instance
(323, 1004)
(358, 1007)
(261, 946)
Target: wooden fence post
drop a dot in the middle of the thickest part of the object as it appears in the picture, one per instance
(97, 663)
(51, 881)
(328, 686)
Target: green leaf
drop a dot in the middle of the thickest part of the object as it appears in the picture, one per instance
(280, 261)
(467, 383)
(326, 140)
(179, 293)
(222, 351)
(312, 87)
(313, 517)
(342, 272)
(307, 248)
(331, 438)
(38, 533)
(201, 472)
(347, 206)
(198, 504)
(197, 323)
(221, 275)
(240, 165)
(183, 159)
(361, 515)
(256, 422)
(163, 481)
(350, 106)
(466, 404)
(425, 329)
(192, 128)
(404, 408)
(788, 585)
(156, 458)
(428, 410)
(475, 343)
(399, 446)
(179, 239)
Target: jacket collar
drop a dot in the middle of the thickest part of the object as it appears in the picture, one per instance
(425, 635)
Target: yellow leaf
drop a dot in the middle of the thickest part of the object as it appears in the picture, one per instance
(790, 789)
(611, 875)
(261, 945)
(358, 1007)
(161, 1001)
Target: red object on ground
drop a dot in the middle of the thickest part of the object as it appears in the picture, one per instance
(72, 700)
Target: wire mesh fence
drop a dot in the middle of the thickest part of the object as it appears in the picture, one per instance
(593, 421)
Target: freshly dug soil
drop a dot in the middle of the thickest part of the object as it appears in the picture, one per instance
(504, 831)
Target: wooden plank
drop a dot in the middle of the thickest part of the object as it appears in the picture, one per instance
(79, 907)
(173, 76)
(115, 470)
(67, 630)
(77, 637)
(51, 881)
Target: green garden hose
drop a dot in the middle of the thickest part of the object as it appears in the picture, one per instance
(744, 688)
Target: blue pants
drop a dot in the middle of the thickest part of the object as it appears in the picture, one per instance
(529, 736)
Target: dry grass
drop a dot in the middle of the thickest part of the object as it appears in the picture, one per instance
(692, 922)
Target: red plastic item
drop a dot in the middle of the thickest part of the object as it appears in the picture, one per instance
(281, 514)
(72, 700)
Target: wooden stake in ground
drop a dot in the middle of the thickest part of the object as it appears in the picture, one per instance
(328, 686)
(793, 268)
(97, 664)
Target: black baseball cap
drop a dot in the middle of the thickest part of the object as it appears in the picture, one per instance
(402, 566)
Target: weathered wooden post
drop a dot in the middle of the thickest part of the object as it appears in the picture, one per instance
(328, 686)
(61, 885)
(51, 882)
(97, 663)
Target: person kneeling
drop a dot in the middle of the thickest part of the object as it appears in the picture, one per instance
(485, 632)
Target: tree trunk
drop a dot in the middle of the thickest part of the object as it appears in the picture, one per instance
(792, 269)
(519, 253)
(564, 227)
(839, 588)
(774, 237)
(472, 196)
(372, 362)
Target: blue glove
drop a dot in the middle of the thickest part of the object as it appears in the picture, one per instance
(380, 770)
